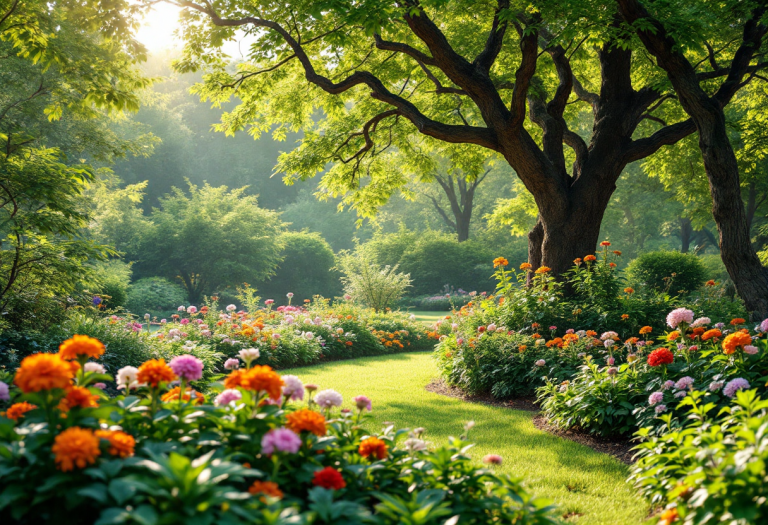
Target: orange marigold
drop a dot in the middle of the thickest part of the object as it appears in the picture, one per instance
(500, 261)
(522, 348)
(590, 258)
(612, 265)
(373, 446)
(234, 379)
(668, 517)
(268, 488)
(577, 260)
(43, 372)
(734, 341)
(75, 447)
(173, 395)
(81, 345)
(120, 443)
(646, 330)
(78, 396)
(154, 372)
(543, 269)
(629, 290)
(709, 334)
(605, 243)
(263, 379)
(526, 266)
(17, 410)
(711, 282)
(737, 321)
(673, 336)
(625, 316)
(591, 333)
(306, 420)
(617, 252)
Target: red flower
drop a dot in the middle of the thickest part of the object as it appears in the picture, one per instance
(329, 478)
(661, 356)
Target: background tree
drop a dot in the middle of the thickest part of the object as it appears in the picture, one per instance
(210, 239)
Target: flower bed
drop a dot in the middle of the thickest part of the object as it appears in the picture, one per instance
(247, 452)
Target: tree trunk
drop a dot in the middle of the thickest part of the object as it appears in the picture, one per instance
(686, 230)
(462, 227)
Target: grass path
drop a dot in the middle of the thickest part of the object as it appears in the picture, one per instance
(585, 484)
(427, 316)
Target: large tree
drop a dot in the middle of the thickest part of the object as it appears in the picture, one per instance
(706, 109)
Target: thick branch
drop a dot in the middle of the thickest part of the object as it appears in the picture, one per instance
(642, 148)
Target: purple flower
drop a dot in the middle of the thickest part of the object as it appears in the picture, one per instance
(681, 394)
(684, 383)
(294, 388)
(668, 384)
(231, 363)
(4, 392)
(660, 408)
(187, 367)
(734, 386)
(679, 315)
(719, 326)
(655, 398)
(227, 396)
(96, 300)
(362, 403)
(281, 440)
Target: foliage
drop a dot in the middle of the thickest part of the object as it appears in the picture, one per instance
(714, 466)
(110, 282)
(155, 295)
(369, 283)
(210, 238)
(439, 303)
(174, 459)
(307, 268)
(679, 273)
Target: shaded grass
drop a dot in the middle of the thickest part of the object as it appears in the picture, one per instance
(427, 316)
(586, 485)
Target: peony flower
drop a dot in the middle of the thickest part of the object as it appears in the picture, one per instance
(492, 459)
(293, 388)
(679, 315)
(609, 343)
(660, 408)
(181, 308)
(491, 327)
(328, 399)
(540, 362)
(655, 398)
(684, 383)
(249, 355)
(231, 308)
(281, 440)
(714, 386)
(97, 368)
(4, 392)
(192, 309)
(609, 335)
(227, 396)
(734, 386)
(668, 384)
(363, 403)
(661, 356)
(184, 321)
(127, 377)
(750, 349)
(701, 321)
(269, 301)
(187, 367)
(764, 326)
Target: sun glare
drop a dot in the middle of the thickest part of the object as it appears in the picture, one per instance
(157, 31)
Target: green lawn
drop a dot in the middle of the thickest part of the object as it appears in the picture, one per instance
(426, 316)
(578, 479)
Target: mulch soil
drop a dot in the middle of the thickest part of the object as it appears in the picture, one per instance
(620, 448)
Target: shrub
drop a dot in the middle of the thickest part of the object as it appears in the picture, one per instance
(713, 467)
(247, 455)
(674, 271)
(438, 303)
(306, 268)
(154, 295)
(111, 280)
(372, 285)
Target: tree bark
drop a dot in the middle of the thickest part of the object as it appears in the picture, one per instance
(686, 231)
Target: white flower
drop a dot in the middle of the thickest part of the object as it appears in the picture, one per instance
(127, 377)
(181, 308)
(147, 316)
(540, 362)
(328, 399)
(701, 321)
(415, 445)
(249, 354)
(412, 317)
(289, 295)
(308, 336)
(95, 367)
(231, 308)
(294, 388)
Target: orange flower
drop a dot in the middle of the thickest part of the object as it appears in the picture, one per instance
(591, 333)
(570, 338)
(734, 341)
(522, 348)
(120, 443)
(577, 260)
(536, 336)
(262, 379)
(535, 325)
(500, 261)
(173, 395)
(154, 372)
(616, 253)
(625, 316)
(526, 266)
(629, 290)
(268, 488)
(44, 372)
(646, 330)
(373, 446)
(75, 447)
(672, 336)
(737, 321)
(709, 334)
(711, 282)
(668, 517)
(234, 379)
(612, 265)
(17, 410)
(81, 345)
(78, 396)
(590, 258)
(306, 420)
(542, 270)
(605, 243)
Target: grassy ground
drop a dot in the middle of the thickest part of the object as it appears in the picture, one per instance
(586, 485)
(426, 316)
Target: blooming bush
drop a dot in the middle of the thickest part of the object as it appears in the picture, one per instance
(248, 452)
(714, 466)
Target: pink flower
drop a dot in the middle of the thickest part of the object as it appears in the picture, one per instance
(660, 408)
(269, 301)
(714, 386)
(362, 403)
(227, 396)
(347, 297)
(540, 362)
(491, 327)
(679, 315)
(100, 386)
(231, 363)
(294, 388)
(97, 368)
(289, 295)
(280, 439)
(185, 321)
(192, 309)
(750, 349)
(609, 335)
(328, 399)
(734, 386)
(764, 326)
(610, 361)
(492, 459)
(701, 321)
(187, 367)
(668, 384)
(655, 398)
(612, 371)
(684, 383)
(275, 336)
